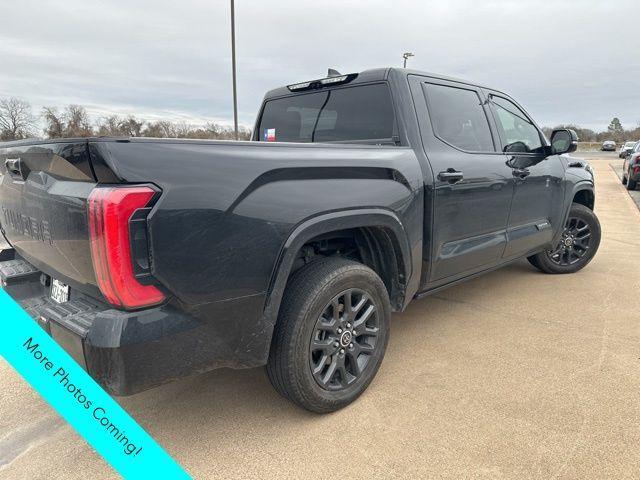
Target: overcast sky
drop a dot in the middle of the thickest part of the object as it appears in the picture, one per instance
(565, 61)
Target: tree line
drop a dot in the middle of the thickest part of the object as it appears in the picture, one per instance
(17, 122)
(615, 131)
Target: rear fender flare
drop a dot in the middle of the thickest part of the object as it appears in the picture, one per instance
(325, 223)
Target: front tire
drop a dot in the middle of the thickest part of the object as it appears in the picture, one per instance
(578, 244)
(331, 335)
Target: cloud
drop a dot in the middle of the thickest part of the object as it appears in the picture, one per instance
(571, 61)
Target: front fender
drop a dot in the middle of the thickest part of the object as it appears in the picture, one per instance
(573, 189)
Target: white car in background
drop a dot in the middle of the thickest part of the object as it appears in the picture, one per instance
(608, 146)
(626, 149)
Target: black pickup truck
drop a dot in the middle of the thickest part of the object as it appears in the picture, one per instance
(151, 259)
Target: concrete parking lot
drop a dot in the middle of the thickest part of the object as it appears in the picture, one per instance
(513, 375)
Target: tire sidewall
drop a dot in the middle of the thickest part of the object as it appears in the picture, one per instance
(354, 276)
(584, 213)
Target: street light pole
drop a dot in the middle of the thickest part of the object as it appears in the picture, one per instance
(406, 55)
(233, 67)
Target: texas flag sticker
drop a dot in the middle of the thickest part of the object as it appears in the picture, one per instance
(270, 135)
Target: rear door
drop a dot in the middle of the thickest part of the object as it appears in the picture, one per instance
(43, 194)
(473, 186)
(538, 198)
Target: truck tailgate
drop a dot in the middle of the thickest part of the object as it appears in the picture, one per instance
(43, 197)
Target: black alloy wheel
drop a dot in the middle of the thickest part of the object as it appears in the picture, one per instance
(331, 335)
(577, 246)
(574, 242)
(344, 339)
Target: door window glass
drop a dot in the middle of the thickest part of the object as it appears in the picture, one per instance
(517, 132)
(458, 118)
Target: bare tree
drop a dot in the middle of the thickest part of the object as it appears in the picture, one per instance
(584, 134)
(73, 122)
(183, 129)
(54, 123)
(16, 119)
(160, 129)
(131, 126)
(114, 126)
(78, 123)
(109, 126)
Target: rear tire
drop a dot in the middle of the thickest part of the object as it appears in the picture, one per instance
(631, 184)
(331, 335)
(577, 247)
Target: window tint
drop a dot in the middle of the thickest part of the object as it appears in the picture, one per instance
(340, 115)
(458, 118)
(517, 132)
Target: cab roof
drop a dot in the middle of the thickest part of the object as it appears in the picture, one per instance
(373, 75)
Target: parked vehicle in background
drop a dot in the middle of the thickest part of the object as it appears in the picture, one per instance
(150, 259)
(631, 168)
(626, 149)
(608, 146)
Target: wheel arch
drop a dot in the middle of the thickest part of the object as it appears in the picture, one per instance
(582, 193)
(382, 232)
(584, 196)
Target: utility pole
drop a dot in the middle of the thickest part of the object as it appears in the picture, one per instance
(405, 55)
(233, 67)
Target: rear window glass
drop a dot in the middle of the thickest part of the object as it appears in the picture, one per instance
(341, 115)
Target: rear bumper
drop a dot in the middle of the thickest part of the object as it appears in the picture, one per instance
(128, 352)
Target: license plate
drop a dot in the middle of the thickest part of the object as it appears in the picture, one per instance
(59, 291)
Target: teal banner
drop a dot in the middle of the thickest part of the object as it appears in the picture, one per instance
(79, 399)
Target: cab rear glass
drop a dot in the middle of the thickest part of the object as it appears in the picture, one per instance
(362, 113)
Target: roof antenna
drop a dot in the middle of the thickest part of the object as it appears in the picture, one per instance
(333, 73)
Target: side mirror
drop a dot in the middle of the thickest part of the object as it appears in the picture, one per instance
(563, 140)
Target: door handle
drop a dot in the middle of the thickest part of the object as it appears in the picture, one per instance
(521, 172)
(450, 175)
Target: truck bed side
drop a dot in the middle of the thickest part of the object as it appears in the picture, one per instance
(219, 236)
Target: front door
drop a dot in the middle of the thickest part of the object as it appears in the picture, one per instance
(473, 186)
(538, 195)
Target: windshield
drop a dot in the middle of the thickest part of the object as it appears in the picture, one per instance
(360, 113)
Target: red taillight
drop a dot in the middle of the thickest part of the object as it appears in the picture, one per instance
(110, 209)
